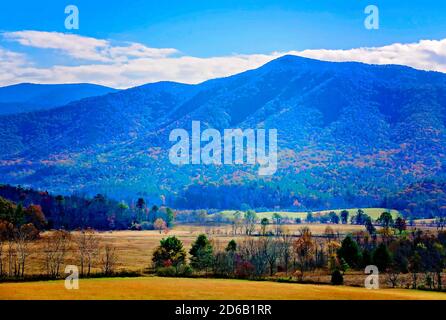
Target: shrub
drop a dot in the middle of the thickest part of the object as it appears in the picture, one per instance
(244, 269)
(166, 271)
(170, 271)
(286, 280)
(336, 278)
(185, 270)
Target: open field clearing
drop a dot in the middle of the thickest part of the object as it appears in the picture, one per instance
(134, 248)
(183, 288)
(374, 213)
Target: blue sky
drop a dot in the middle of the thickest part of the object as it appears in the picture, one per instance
(205, 30)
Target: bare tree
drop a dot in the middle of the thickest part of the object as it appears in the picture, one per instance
(22, 237)
(277, 219)
(250, 218)
(254, 251)
(393, 277)
(12, 257)
(87, 244)
(272, 251)
(236, 222)
(1, 257)
(109, 259)
(285, 244)
(55, 248)
(22, 247)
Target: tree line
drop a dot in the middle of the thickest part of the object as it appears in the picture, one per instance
(421, 255)
(58, 249)
(79, 212)
(425, 199)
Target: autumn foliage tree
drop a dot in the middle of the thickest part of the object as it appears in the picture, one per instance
(304, 247)
(160, 225)
(34, 215)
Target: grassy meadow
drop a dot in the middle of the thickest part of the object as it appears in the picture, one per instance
(374, 213)
(156, 288)
(134, 251)
(134, 248)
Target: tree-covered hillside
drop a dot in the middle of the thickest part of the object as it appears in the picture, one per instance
(350, 135)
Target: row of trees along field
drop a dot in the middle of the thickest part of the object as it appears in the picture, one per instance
(102, 213)
(246, 222)
(424, 199)
(419, 254)
(79, 212)
(84, 247)
(21, 227)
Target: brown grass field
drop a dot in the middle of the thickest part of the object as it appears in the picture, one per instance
(156, 288)
(134, 248)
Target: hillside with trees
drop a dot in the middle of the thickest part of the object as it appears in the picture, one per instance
(350, 135)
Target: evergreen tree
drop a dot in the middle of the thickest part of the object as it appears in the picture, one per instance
(232, 246)
(381, 257)
(366, 258)
(170, 252)
(350, 252)
(170, 217)
(201, 253)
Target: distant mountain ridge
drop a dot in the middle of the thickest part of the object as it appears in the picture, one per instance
(350, 134)
(27, 97)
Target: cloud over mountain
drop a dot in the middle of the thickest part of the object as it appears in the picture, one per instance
(124, 65)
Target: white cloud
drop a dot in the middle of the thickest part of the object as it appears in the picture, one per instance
(11, 65)
(140, 71)
(122, 66)
(85, 48)
(423, 55)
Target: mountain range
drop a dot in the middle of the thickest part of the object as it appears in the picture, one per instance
(349, 134)
(27, 97)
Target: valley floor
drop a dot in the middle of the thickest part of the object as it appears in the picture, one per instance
(156, 288)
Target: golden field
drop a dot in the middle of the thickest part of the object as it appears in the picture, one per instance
(134, 248)
(156, 288)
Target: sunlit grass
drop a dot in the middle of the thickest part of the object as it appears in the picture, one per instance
(184, 289)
